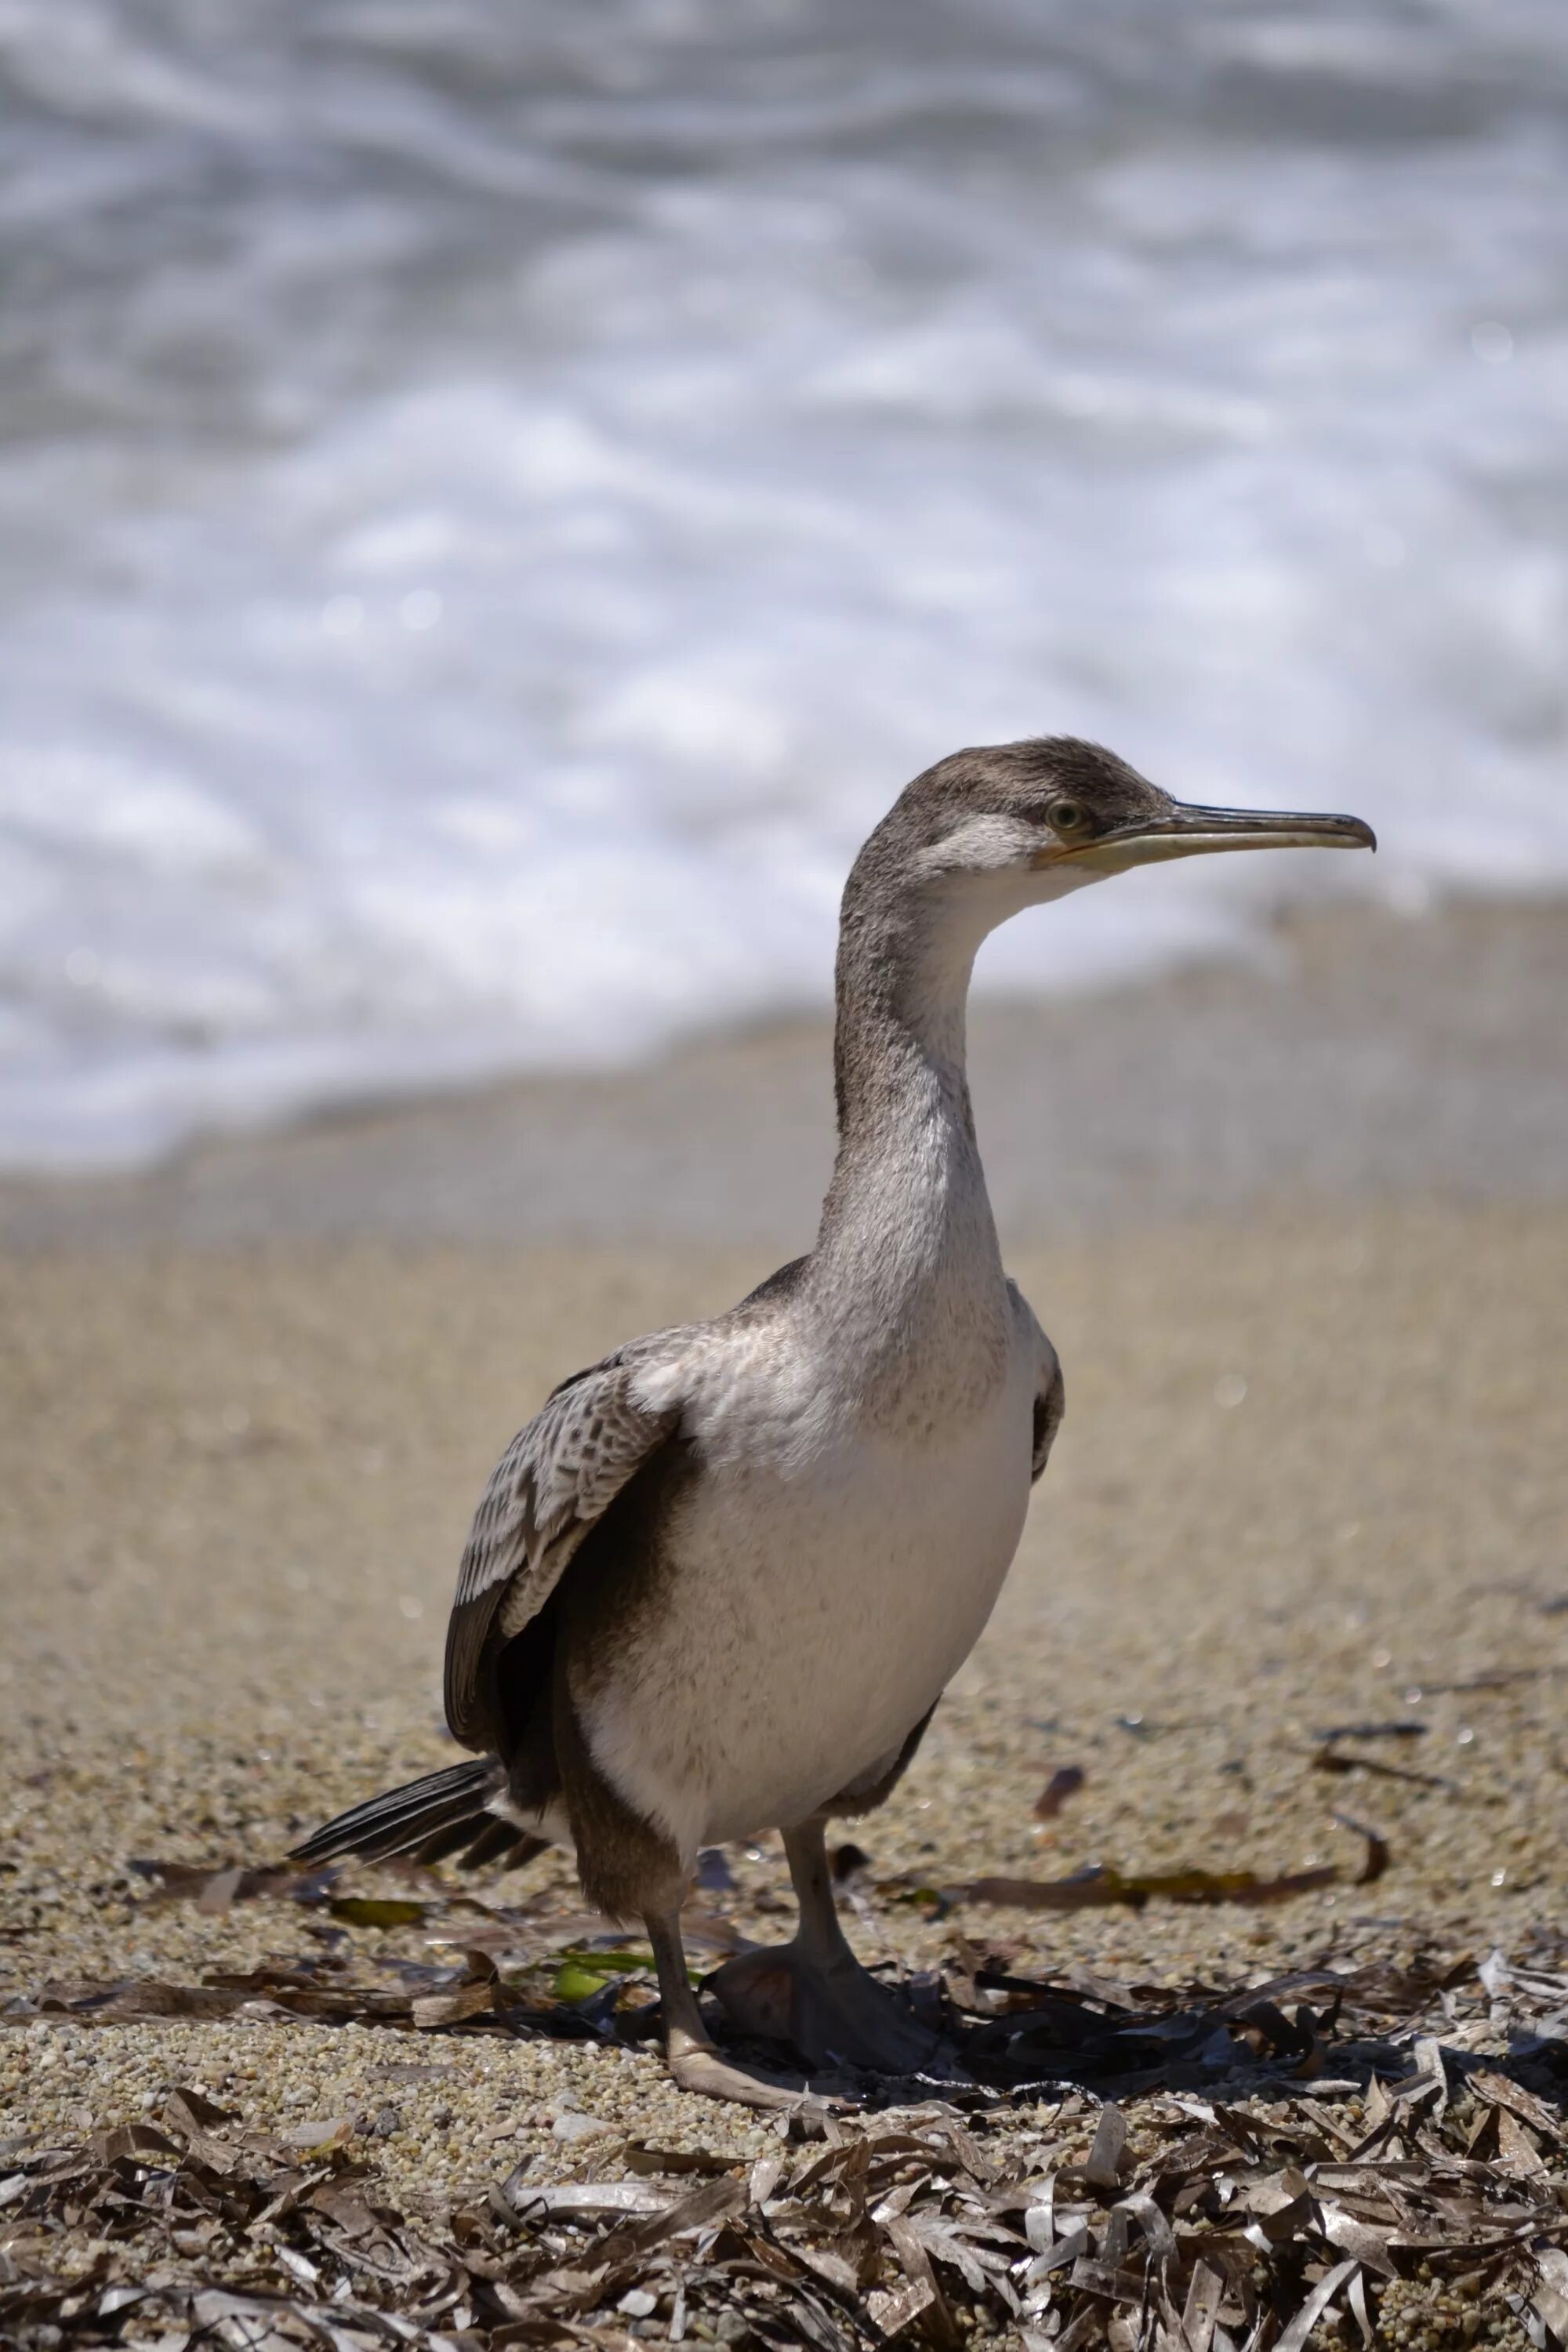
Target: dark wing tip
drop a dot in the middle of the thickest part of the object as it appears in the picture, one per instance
(462, 1691)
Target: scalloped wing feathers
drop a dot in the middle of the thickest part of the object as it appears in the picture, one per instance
(556, 1478)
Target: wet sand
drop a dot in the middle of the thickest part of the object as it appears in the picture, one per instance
(1312, 1474)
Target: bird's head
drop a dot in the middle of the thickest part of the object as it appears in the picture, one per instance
(1035, 819)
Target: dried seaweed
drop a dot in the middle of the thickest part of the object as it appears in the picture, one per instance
(216, 1889)
(1101, 1885)
(473, 1996)
(1331, 1758)
(527, 1971)
(1403, 1727)
(1065, 1782)
(1233, 2194)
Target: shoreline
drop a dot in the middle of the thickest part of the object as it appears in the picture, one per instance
(1364, 1055)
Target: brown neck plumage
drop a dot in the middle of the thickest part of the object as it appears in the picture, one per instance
(907, 1201)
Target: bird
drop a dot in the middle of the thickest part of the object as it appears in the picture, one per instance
(718, 1584)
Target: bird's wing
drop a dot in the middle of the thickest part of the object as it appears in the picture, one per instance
(558, 1476)
(1050, 1395)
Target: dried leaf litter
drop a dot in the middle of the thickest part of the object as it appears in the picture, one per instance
(1373, 2154)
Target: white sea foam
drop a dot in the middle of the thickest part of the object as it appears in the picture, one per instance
(493, 502)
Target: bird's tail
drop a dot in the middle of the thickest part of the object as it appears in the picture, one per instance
(452, 1812)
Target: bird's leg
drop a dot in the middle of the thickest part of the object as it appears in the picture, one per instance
(813, 1991)
(694, 2062)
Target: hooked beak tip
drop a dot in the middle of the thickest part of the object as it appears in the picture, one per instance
(1264, 829)
(1190, 831)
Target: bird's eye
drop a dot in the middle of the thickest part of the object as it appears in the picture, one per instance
(1067, 816)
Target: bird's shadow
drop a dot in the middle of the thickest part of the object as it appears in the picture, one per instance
(1035, 2041)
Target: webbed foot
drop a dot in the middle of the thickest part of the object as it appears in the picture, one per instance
(833, 2014)
(697, 2067)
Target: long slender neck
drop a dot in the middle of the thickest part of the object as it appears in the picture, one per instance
(907, 1213)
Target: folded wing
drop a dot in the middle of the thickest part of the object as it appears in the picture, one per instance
(1050, 1395)
(558, 1476)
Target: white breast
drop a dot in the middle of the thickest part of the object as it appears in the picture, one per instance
(831, 1578)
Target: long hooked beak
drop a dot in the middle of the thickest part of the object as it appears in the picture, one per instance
(1186, 831)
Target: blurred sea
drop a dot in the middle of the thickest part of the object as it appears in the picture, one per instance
(495, 498)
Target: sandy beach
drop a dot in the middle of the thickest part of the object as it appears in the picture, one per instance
(490, 513)
(1312, 1477)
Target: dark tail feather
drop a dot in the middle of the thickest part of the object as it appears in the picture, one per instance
(445, 1813)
